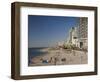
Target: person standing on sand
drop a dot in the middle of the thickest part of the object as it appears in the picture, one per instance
(50, 60)
(55, 61)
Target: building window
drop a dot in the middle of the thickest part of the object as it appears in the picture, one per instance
(75, 37)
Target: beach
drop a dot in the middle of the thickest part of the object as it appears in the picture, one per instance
(59, 57)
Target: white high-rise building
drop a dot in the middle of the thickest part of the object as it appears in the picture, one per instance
(73, 37)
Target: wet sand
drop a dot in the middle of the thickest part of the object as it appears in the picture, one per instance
(60, 57)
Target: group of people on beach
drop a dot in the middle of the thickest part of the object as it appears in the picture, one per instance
(52, 60)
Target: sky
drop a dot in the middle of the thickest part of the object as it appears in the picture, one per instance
(47, 31)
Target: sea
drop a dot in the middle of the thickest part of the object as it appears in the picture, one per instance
(33, 52)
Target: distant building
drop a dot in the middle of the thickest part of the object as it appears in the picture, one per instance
(60, 44)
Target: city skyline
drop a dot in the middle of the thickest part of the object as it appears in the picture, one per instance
(45, 31)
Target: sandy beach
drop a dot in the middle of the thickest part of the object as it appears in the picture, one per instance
(59, 57)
